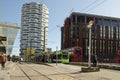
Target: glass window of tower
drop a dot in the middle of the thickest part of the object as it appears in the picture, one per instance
(98, 21)
(81, 19)
(114, 23)
(106, 22)
(73, 19)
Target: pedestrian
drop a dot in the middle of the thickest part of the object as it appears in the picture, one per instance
(3, 60)
(94, 60)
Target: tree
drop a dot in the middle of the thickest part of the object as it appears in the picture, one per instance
(29, 54)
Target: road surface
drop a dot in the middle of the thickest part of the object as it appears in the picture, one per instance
(30, 71)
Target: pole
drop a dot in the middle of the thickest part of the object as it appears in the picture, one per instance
(44, 38)
(30, 49)
(90, 26)
(56, 54)
(89, 58)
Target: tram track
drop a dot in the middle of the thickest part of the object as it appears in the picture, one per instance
(30, 77)
(70, 74)
(52, 73)
(24, 73)
(59, 72)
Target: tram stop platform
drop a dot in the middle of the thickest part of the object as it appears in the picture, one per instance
(90, 69)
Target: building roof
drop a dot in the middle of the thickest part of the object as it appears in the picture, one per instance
(8, 24)
(99, 16)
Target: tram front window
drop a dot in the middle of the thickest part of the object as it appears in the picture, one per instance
(65, 55)
(78, 52)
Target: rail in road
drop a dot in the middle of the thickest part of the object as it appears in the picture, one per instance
(31, 73)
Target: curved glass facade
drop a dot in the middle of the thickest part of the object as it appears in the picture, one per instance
(9, 31)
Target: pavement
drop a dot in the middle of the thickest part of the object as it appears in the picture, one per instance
(113, 66)
(4, 72)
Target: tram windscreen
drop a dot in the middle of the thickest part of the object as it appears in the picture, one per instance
(78, 51)
(65, 55)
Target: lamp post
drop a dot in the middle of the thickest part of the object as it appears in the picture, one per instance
(44, 37)
(56, 54)
(90, 26)
(30, 49)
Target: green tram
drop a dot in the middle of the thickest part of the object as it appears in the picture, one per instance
(65, 57)
(73, 54)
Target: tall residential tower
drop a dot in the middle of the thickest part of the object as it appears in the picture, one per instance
(34, 31)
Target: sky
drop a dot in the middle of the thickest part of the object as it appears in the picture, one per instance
(10, 11)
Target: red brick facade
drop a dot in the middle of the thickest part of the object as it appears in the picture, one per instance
(105, 34)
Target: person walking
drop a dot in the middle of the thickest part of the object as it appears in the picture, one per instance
(94, 60)
(3, 60)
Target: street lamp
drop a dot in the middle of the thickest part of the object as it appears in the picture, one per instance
(90, 26)
(57, 50)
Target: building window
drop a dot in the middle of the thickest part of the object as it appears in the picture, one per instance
(112, 32)
(116, 45)
(111, 46)
(92, 45)
(80, 19)
(100, 31)
(104, 31)
(114, 23)
(103, 46)
(106, 22)
(73, 32)
(100, 45)
(117, 32)
(98, 21)
(95, 47)
(109, 32)
(73, 19)
(73, 43)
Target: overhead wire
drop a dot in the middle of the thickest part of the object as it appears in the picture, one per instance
(94, 2)
(92, 6)
(96, 5)
(88, 5)
(80, 11)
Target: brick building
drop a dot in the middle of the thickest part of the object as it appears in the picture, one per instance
(105, 34)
